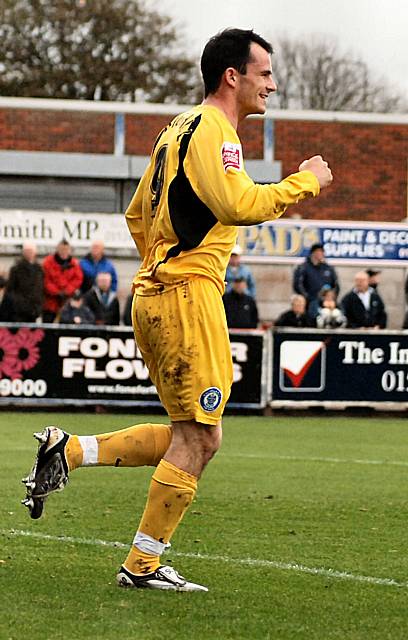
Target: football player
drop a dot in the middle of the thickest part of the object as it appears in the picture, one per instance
(183, 219)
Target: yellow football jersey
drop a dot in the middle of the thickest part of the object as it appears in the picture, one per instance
(192, 196)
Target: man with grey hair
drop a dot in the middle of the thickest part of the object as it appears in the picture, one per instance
(102, 301)
(296, 316)
(363, 306)
(25, 285)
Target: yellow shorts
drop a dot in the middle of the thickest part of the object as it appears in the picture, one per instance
(183, 337)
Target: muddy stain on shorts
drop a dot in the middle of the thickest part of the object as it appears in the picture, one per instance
(174, 375)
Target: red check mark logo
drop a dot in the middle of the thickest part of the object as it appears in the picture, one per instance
(297, 378)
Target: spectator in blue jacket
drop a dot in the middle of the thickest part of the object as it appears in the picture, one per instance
(312, 275)
(96, 262)
(236, 270)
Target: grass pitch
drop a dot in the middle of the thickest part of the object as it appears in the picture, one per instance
(299, 529)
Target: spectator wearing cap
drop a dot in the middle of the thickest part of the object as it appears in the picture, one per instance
(312, 275)
(96, 262)
(363, 306)
(296, 316)
(240, 308)
(237, 270)
(373, 278)
(75, 311)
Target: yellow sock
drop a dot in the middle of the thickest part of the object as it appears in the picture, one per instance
(142, 444)
(73, 453)
(171, 493)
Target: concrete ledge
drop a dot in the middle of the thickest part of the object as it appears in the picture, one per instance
(104, 106)
(66, 165)
(262, 171)
(104, 166)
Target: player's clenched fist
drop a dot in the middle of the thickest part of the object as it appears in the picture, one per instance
(320, 168)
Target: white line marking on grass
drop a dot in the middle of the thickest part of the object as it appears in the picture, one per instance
(397, 463)
(251, 562)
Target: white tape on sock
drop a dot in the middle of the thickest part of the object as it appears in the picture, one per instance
(149, 545)
(89, 446)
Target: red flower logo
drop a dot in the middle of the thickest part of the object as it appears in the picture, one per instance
(19, 351)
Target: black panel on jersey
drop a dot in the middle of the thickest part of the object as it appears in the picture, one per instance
(158, 138)
(190, 217)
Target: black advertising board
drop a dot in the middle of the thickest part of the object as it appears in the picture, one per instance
(57, 364)
(364, 367)
(251, 356)
(64, 364)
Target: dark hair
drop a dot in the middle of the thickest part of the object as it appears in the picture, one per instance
(229, 48)
(77, 295)
(316, 246)
(325, 289)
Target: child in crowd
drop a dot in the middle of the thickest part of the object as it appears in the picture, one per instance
(329, 316)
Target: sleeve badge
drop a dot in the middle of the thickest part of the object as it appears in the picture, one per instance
(231, 154)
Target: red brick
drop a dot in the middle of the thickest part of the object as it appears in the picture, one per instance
(369, 161)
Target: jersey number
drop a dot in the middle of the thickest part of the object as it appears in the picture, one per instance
(156, 186)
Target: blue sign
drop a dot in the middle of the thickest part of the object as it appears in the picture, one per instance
(286, 240)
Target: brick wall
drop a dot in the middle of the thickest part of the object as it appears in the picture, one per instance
(62, 131)
(369, 161)
(142, 131)
(369, 164)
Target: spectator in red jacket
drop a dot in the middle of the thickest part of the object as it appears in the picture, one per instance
(62, 276)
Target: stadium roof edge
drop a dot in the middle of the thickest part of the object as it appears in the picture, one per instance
(174, 109)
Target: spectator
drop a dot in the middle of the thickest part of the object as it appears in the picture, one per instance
(62, 276)
(363, 306)
(240, 308)
(237, 270)
(127, 313)
(329, 316)
(96, 262)
(26, 285)
(296, 316)
(373, 278)
(102, 301)
(6, 304)
(75, 311)
(310, 276)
